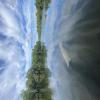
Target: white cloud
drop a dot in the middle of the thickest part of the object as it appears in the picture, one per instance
(15, 48)
(66, 84)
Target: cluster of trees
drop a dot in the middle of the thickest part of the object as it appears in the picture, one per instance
(37, 84)
(40, 4)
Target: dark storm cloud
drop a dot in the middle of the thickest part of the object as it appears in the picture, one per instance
(85, 42)
(76, 35)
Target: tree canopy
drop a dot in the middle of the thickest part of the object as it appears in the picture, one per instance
(37, 84)
(40, 4)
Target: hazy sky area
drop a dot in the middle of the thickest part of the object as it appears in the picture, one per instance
(72, 36)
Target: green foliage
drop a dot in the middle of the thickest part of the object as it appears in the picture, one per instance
(40, 4)
(37, 84)
(27, 95)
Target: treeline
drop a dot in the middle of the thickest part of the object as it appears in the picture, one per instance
(40, 4)
(37, 84)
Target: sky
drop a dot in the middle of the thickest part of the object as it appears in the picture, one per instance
(71, 36)
(72, 47)
(17, 37)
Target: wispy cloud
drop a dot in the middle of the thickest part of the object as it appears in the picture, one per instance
(16, 41)
(65, 48)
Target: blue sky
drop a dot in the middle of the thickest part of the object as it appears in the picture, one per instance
(60, 30)
(18, 35)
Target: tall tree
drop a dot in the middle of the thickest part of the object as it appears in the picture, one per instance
(40, 4)
(37, 84)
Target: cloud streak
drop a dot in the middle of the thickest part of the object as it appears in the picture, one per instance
(16, 42)
(71, 39)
